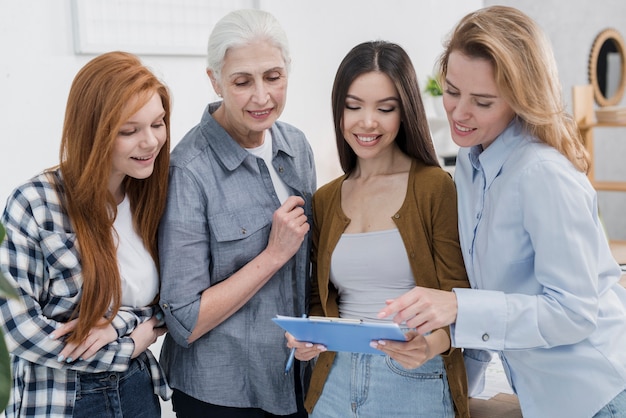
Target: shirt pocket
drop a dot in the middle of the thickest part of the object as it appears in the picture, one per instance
(240, 235)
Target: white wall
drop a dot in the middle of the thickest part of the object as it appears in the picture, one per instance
(37, 65)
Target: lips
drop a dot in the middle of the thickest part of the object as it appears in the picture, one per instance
(260, 114)
(146, 158)
(366, 138)
(462, 128)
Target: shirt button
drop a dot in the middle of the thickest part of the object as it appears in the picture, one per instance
(165, 306)
(485, 337)
(280, 169)
(397, 216)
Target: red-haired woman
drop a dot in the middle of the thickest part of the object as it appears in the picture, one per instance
(81, 251)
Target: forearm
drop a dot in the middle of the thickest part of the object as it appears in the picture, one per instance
(222, 300)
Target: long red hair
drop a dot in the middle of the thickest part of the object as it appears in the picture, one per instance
(96, 109)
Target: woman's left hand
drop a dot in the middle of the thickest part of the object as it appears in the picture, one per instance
(98, 337)
(411, 353)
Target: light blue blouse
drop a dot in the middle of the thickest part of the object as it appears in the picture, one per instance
(549, 298)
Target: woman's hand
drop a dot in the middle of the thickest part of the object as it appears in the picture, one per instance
(98, 337)
(304, 351)
(411, 353)
(422, 308)
(146, 334)
(289, 226)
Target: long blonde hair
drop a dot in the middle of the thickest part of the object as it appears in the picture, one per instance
(525, 73)
(96, 109)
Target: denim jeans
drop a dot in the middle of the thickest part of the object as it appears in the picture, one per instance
(614, 409)
(117, 394)
(366, 385)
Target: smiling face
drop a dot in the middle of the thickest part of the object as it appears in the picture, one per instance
(138, 143)
(253, 85)
(371, 117)
(476, 112)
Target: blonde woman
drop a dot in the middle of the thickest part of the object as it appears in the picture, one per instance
(545, 286)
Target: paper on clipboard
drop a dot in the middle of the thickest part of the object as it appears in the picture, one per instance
(339, 334)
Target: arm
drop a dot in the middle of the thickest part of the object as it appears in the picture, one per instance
(563, 308)
(218, 302)
(192, 305)
(44, 272)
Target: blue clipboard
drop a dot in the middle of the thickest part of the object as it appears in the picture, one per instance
(338, 334)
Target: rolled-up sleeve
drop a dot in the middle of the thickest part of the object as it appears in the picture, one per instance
(184, 250)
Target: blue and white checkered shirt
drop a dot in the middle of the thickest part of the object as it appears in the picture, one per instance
(40, 258)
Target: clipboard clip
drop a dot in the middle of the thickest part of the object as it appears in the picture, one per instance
(330, 319)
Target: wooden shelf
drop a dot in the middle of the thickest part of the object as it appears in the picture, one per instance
(584, 115)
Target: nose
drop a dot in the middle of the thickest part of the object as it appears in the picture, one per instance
(261, 92)
(369, 120)
(460, 109)
(149, 139)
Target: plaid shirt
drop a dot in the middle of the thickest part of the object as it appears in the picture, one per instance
(40, 257)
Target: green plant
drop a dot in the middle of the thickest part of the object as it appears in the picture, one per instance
(433, 87)
(6, 291)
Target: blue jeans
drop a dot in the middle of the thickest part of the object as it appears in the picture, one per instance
(366, 385)
(117, 394)
(614, 409)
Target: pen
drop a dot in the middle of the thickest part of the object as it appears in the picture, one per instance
(292, 356)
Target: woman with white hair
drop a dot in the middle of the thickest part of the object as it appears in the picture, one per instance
(234, 237)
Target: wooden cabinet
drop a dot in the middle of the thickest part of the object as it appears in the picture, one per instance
(584, 114)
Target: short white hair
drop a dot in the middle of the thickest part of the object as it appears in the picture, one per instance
(242, 27)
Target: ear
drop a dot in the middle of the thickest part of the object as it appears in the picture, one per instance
(214, 83)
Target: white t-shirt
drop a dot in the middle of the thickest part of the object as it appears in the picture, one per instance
(140, 278)
(265, 152)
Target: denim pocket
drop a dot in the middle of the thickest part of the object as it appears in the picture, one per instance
(432, 369)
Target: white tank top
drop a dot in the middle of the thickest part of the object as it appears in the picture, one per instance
(368, 268)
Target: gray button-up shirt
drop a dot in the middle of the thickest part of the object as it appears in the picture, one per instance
(219, 211)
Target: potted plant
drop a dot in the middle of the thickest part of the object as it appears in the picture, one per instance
(6, 291)
(434, 90)
(433, 87)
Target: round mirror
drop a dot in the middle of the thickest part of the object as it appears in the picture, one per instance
(607, 69)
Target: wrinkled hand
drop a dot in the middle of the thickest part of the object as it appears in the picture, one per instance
(305, 351)
(289, 226)
(422, 308)
(99, 336)
(411, 353)
(146, 334)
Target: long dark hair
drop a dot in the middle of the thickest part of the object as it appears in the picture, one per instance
(388, 58)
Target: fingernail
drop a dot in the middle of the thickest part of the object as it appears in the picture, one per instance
(69, 360)
(52, 336)
(159, 315)
(381, 342)
(373, 344)
(322, 348)
(308, 345)
(60, 358)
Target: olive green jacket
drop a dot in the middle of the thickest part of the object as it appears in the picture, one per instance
(427, 222)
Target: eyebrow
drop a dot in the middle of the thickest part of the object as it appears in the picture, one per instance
(135, 122)
(244, 73)
(483, 95)
(386, 99)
